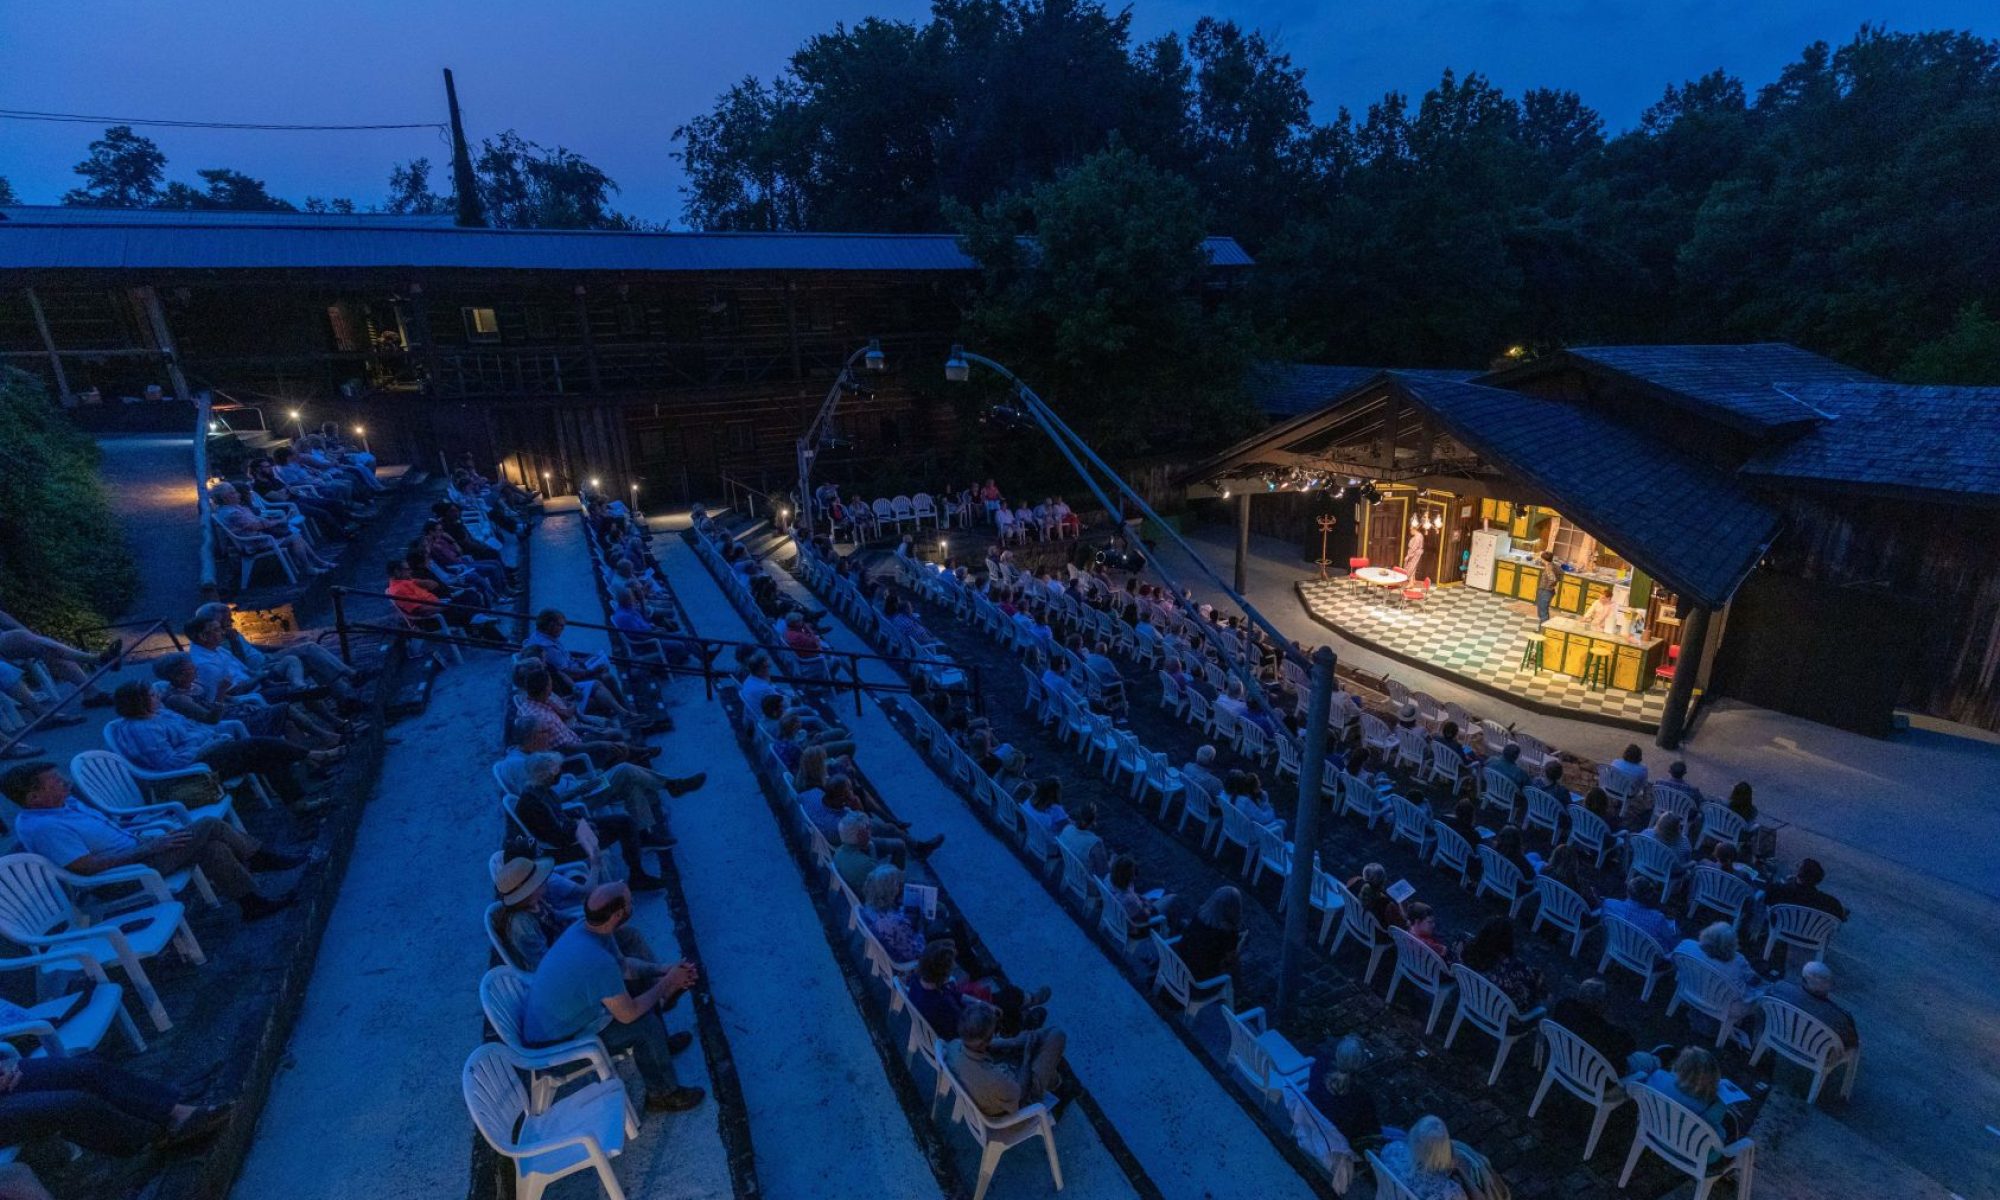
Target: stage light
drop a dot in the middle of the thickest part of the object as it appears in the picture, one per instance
(956, 369)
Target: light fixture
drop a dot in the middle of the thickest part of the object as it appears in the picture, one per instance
(784, 513)
(1225, 493)
(593, 481)
(875, 360)
(295, 414)
(956, 369)
(359, 429)
(635, 489)
(941, 545)
(212, 426)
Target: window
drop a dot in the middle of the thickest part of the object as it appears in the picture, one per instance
(342, 327)
(481, 324)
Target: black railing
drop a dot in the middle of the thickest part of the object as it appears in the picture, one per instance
(146, 628)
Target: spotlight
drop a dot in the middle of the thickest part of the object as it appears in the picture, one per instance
(1225, 493)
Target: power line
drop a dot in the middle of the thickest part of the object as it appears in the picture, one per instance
(22, 114)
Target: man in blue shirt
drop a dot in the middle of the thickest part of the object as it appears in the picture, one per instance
(584, 978)
(1643, 910)
(79, 838)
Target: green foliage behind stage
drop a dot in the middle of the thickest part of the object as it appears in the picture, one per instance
(64, 565)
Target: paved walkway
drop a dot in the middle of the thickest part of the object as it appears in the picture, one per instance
(1188, 1134)
(677, 1156)
(1905, 827)
(151, 479)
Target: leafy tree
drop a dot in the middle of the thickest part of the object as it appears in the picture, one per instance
(222, 188)
(7, 192)
(410, 190)
(339, 204)
(529, 186)
(1093, 287)
(1968, 353)
(123, 171)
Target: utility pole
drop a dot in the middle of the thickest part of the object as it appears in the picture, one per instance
(463, 182)
(1305, 832)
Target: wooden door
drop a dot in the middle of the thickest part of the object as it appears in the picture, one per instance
(1388, 525)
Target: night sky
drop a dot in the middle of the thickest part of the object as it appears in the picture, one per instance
(611, 78)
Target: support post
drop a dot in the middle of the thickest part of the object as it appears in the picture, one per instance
(1305, 832)
(1242, 539)
(464, 184)
(1694, 640)
(49, 343)
(589, 340)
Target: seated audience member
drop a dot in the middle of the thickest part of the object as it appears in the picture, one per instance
(1080, 838)
(1803, 889)
(1508, 765)
(1426, 1162)
(1814, 993)
(299, 665)
(154, 739)
(1667, 830)
(1423, 927)
(537, 904)
(882, 910)
(1507, 844)
(442, 548)
(1552, 779)
(1630, 768)
(584, 976)
(1213, 938)
(1202, 771)
(81, 1098)
(624, 784)
(329, 516)
(1003, 1075)
(1717, 945)
(1124, 884)
(418, 600)
(452, 520)
(539, 809)
(857, 854)
(1695, 1081)
(224, 679)
(1641, 907)
(1371, 887)
(1566, 866)
(77, 838)
(258, 532)
(1676, 780)
(535, 700)
(943, 986)
(1045, 807)
(1582, 1012)
(1336, 1088)
(1491, 953)
(1447, 735)
(591, 677)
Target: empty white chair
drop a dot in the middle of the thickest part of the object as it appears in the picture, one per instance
(1545, 811)
(1482, 1004)
(1719, 891)
(1412, 749)
(1171, 975)
(1808, 1041)
(1634, 949)
(1494, 736)
(1376, 734)
(1503, 879)
(1413, 824)
(1561, 907)
(1251, 742)
(1707, 989)
(582, 1131)
(1453, 852)
(1678, 1134)
(921, 507)
(1266, 1059)
(1590, 832)
(1809, 929)
(1535, 753)
(1497, 791)
(1583, 1073)
(1426, 970)
(997, 1135)
(903, 511)
(1359, 797)
(1161, 778)
(38, 913)
(1325, 898)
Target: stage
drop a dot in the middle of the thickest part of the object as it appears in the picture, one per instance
(1476, 638)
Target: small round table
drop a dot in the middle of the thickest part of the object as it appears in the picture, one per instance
(1385, 578)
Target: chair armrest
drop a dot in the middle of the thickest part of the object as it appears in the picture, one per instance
(43, 958)
(1253, 1018)
(589, 1050)
(139, 812)
(1739, 1147)
(43, 1032)
(149, 880)
(1218, 981)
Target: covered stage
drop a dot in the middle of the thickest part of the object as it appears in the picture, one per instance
(1476, 638)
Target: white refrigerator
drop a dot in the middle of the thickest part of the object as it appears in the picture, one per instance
(1487, 547)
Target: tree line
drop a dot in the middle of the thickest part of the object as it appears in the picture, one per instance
(1851, 206)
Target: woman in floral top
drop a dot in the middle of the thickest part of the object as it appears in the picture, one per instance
(1491, 953)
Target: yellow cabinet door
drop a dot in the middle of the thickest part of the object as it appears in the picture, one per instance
(1530, 579)
(1625, 669)
(1505, 576)
(1569, 594)
(1576, 655)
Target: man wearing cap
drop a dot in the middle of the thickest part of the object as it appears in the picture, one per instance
(537, 905)
(584, 979)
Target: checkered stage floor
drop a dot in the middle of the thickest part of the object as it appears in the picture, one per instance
(1472, 634)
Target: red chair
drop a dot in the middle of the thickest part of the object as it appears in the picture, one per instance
(1416, 592)
(1353, 565)
(1673, 660)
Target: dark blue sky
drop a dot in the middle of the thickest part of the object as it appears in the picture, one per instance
(611, 78)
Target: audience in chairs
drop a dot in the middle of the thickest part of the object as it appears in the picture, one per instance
(157, 739)
(1005, 1074)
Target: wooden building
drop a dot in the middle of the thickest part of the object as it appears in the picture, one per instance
(1804, 536)
(666, 360)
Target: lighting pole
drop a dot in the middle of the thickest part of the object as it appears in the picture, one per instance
(872, 360)
(299, 423)
(361, 431)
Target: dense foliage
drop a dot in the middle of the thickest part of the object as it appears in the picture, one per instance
(1851, 206)
(63, 565)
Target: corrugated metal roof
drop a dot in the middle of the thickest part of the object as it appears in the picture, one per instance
(241, 242)
(1754, 387)
(1937, 443)
(1292, 389)
(67, 214)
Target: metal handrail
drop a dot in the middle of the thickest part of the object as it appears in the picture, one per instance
(151, 627)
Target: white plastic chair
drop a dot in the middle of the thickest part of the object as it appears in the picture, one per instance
(582, 1131)
(1561, 907)
(1808, 929)
(1485, 1007)
(1116, 925)
(250, 549)
(1376, 734)
(1266, 1059)
(1545, 811)
(59, 1023)
(1274, 854)
(1388, 1185)
(1040, 843)
(1412, 825)
(1719, 891)
(1503, 879)
(502, 994)
(997, 1135)
(1721, 824)
(1808, 1041)
(1426, 970)
(1678, 1134)
(1362, 927)
(110, 782)
(1655, 860)
(1496, 791)
(1077, 879)
(922, 1042)
(922, 506)
(1583, 1073)
(1446, 764)
(1707, 989)
(37, 912)
(1412, 749)
(1452, 851)
(1359, 797)
(1318, 1138)
(1590, 832)
(1634, 949)
(1238, 829)
(1191, 995)
(1161, 778)
(1173, 697)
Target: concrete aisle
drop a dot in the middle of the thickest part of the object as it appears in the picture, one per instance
(677, 1156)
(1189, 1135)
(371, 1089)
(151, 479)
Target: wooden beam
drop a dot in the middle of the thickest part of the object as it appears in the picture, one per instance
(156, 315)
(49, 344)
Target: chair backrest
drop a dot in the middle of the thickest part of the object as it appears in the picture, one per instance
(106, 779)
(1459, 717)
(32, 900)
(1485, 1005)
(1497, 872)
(1411, 746)
(1173, 974)
(1544, 808)
(1359, 922)
(1225, 723)
(1534, 751)
(1721, 890)
(1798, 1034)
(1412, 819)
(1237, 825)
(1676, 799)
(1498, 790)
(1445, 761)
(1076, 876)
(1419, 961)
(1197, 707)
(1653, 858)
(1357, 795)
(1494, 736)
(1578, 1064)
(923, 505)
(502, 992)
(1705, 985)
(1588, 829)
(1719, 820)
(1373, 729)
(900, 505)
(496, 917)
(1289, 756)
(1452, 849)
(494, 1095)
(1273, 850)
(1429, 711)
(1632, 946)
(882, 508)
(1388, 1185)
(920, 1029)
(1316, 1135)
(1254, 743)
(1560, 903)
(1800, 925)
(1041, 843)
(1674, 1131)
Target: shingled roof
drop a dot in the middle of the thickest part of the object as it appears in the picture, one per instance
(1293, 389)
(1693, 527)
(1931, 443)
(1757, 388)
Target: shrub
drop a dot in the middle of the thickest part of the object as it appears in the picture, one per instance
(64, 565)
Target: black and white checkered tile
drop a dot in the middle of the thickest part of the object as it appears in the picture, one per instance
(1467, 632)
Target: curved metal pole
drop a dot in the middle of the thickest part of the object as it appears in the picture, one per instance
(808, 446)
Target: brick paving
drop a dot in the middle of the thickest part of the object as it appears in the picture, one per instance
(1413, 1074)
